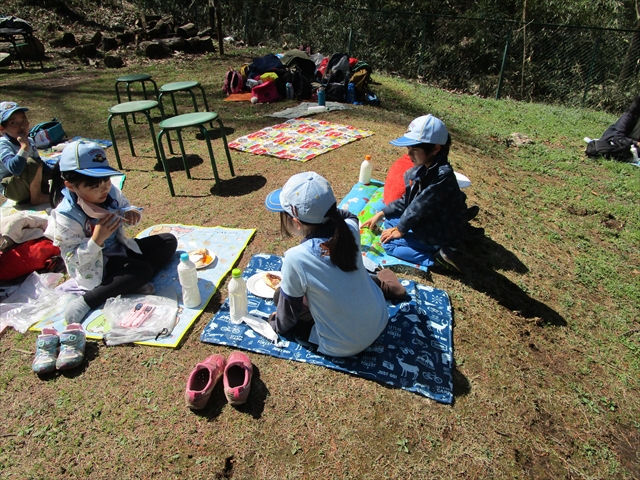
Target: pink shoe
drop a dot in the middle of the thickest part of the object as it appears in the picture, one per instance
(237, 378)
(202, 380)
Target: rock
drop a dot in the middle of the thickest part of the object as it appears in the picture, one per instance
(88, 38)
(113, 61)
(109, 43)
(126, 37)
(188, 30)
(84, 51)
(33, 50)
(201, 44)
(520, 139)
(152, 49)
(176, 43)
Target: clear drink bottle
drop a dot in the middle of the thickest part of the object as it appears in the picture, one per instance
(237, 296)
(188, 276)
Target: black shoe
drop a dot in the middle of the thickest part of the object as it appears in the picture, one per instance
(472, 212)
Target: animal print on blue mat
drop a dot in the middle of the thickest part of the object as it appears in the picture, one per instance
(414, 352)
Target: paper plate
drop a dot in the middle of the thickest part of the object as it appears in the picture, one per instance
(256, 285)
(463, 181)
(201, 262)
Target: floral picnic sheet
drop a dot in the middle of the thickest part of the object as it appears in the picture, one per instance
(299, 139)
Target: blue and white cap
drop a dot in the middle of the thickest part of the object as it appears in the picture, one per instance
(87, 158)
(306, 196)
(425, 129)
(9, 108)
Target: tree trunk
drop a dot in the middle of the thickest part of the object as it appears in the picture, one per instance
(633, 53)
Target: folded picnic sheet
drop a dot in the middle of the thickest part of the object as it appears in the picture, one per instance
(303, 110)
(227, 244)
(298, 139)
(365, 201)
(414, 352)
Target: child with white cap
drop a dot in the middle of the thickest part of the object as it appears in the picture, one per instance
(24, 177)
(431, 219)
(326, 292)
(87, 223)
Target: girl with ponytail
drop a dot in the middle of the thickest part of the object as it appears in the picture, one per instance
(326, 293)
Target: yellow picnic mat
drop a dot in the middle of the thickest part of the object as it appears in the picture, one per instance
(227, 244)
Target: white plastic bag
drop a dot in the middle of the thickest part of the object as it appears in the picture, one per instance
(33, 301)
(135, 318)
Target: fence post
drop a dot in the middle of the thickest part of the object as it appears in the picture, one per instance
(299, 23)
(349, 44)
(246, 22)
(587, 86)
(424, 41)
(504, 64)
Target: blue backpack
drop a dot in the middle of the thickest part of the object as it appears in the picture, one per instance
(47, 134)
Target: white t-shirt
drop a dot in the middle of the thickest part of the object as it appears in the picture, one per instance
(348, 308)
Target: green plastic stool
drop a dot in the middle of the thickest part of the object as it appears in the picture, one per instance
(124, 109)
(134, 78)
(172, 88)
(196, 119)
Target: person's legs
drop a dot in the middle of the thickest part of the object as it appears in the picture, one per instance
(157, 250)
(36, 194)
(389, 284)
(302, 329)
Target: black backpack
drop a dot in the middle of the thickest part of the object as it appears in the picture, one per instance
(337, 69)
(301, 84)
(613, 148)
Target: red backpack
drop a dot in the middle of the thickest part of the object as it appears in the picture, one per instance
(233, 82)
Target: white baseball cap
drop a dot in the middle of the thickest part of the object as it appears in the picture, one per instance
(425, 129)
(87, 158)
(306, 196)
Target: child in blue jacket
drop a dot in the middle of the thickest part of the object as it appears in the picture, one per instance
(431, 218)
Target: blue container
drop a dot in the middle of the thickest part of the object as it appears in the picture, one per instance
(351, 93)
(321, 97)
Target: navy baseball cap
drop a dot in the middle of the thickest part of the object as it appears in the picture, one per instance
(87, 158)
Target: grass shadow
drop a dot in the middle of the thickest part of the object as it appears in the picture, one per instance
(216, 133)
(174, 164)
(481, 261)
(239, 186)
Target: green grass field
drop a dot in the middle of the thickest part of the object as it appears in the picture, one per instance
(547, 331)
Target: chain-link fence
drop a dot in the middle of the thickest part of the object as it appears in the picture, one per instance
(569, 65)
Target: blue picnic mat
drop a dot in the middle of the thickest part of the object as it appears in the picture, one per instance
(365, 201)
(414, 352)
(52, 155)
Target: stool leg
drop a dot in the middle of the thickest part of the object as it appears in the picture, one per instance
(126, 127)
(155, 87)
(153, 136)
(226, 146)
(193, 99)
(144, 90)
(184, 155)
(173, 100)
(113, 141)
(206, 104)
(163, 158)
(205, 133)
(118, 93)
(129, 97)
(161, 106)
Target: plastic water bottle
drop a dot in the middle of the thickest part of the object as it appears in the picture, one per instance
(290, 94)
(237, 296)
(321, 97)
(188, 276)
(366, 169)
(351, 93)
(634, 153)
